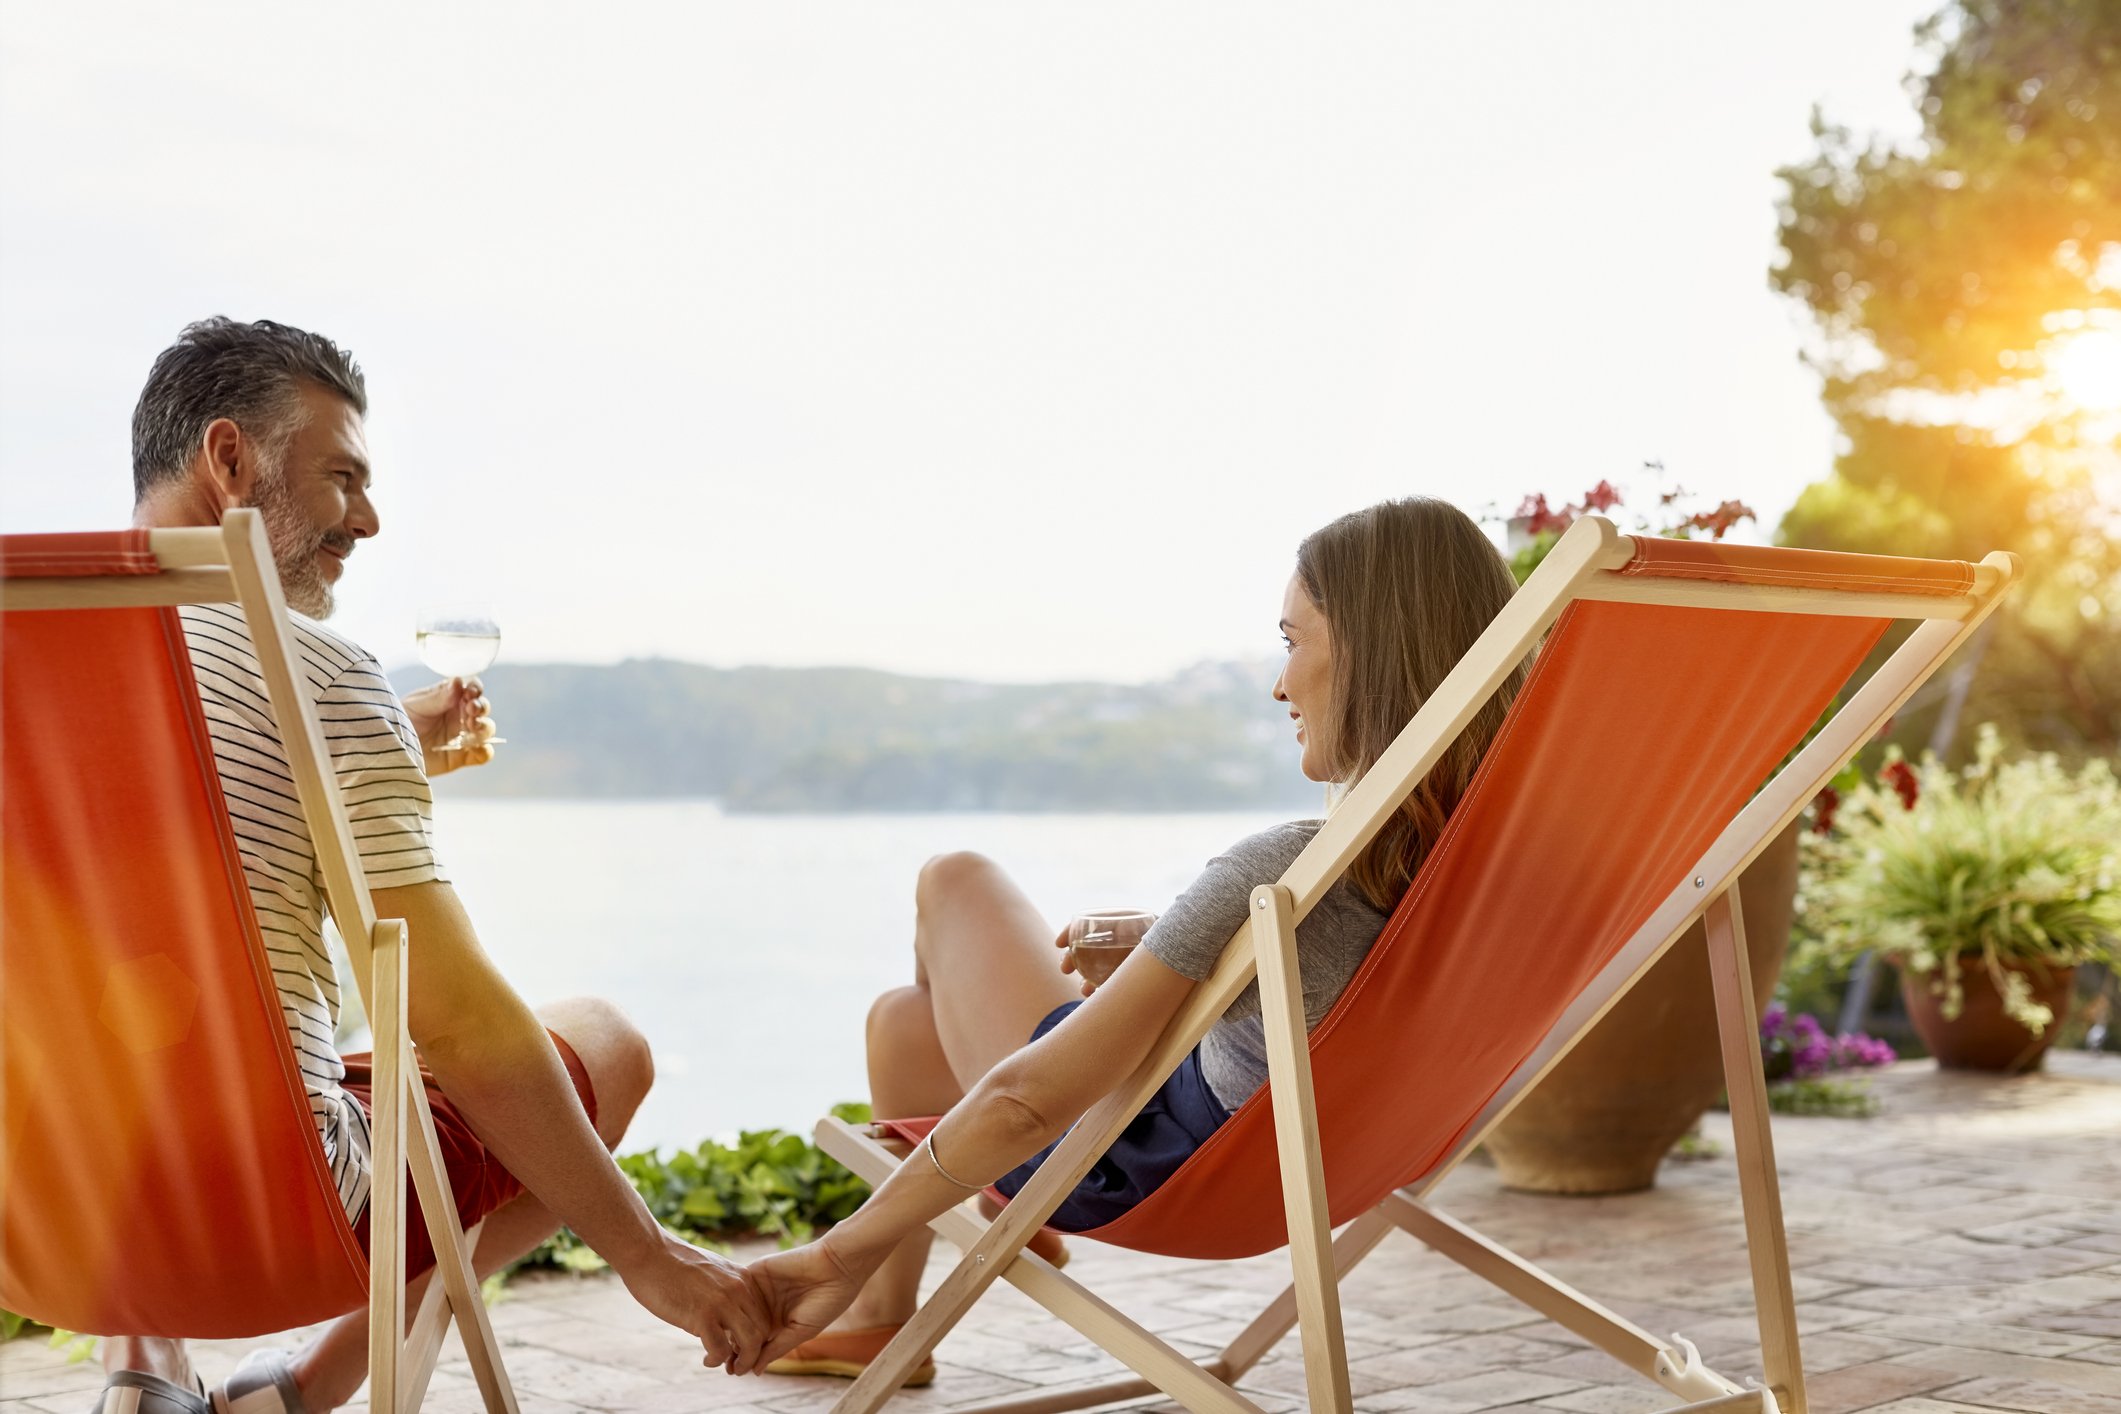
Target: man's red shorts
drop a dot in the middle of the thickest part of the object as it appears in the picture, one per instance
(475, 1176)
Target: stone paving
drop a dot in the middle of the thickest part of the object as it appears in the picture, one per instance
(1959, 1252)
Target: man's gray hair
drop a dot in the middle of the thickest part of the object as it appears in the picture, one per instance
(251, 374)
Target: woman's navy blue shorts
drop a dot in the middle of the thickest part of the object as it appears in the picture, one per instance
(1177, 1120)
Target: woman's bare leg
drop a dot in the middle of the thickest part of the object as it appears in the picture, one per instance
(985, 973)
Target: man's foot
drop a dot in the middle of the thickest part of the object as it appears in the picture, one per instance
(137, 1392)
(263, 1384)
(846, 1354)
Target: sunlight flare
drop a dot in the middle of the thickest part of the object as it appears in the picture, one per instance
(2086, 369)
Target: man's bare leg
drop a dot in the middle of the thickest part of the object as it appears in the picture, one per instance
(149, 1354)
(332, 1369)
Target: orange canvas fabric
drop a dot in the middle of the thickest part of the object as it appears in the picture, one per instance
(1641, 733)
(161, 1172)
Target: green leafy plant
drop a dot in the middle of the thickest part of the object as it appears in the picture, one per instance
(2002, 862)
(1838, 1096)
(77, 1347)
(769, 1183)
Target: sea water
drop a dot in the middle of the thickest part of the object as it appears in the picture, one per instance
(748, 948)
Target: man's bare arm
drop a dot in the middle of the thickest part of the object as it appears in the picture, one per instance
(491, 1056)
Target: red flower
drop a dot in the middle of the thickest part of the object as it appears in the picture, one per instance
(1539, 517)
(1602, 497)
(1824, 805)
(1901, 777)
(1719, 521)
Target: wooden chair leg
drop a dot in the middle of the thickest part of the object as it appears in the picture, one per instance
(1303, 1175)
(1251, 1344)
(453, 1271)
(386, 1191)
(430, 1327)
(1162, 1367)
(1765, 1243)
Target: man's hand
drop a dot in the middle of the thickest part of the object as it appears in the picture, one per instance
(443, 711)
(711, 1297)
(803, 1291)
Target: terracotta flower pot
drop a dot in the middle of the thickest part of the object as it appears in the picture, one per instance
(1984, 1036)
(1603, 1120)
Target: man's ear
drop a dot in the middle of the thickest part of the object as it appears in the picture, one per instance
(226, 469)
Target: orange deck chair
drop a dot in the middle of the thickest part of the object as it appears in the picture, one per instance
(1616, 806)
(160, 1173)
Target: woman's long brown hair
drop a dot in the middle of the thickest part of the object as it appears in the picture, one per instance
(1405, 588)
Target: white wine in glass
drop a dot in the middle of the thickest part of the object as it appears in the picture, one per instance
(459, 643)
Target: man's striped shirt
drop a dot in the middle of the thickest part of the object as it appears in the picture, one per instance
(375, 755)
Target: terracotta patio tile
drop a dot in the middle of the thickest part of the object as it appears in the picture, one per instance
(1862, 1386)
(2031, 1396)
(1488, 1390)
(1976, 1335)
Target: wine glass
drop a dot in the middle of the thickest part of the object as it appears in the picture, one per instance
(459, 643)
(1100, 941)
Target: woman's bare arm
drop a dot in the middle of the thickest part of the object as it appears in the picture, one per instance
(1016, 1109)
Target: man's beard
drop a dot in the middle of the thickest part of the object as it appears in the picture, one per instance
(295, 546)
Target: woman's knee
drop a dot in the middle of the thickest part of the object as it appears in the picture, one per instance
(612, 1049)
(948, 875)
(897, 1019)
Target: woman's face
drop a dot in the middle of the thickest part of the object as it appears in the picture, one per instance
(1306, 681)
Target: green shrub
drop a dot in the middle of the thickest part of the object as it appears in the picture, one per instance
(769, 1183)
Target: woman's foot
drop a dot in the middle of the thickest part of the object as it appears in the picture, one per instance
(846, 1354)
(1045, 1244)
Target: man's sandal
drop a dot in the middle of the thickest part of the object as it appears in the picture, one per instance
(263, 1384)
(137, 1392)
(846, 1354)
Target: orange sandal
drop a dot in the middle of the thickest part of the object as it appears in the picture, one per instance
(846, 1354)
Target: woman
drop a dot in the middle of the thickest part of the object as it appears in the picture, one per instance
(1381, 606)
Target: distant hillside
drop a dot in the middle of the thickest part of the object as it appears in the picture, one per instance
(832, 739)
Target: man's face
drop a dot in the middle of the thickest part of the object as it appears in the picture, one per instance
(316, 505)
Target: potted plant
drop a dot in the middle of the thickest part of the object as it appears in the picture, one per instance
(1987, 887)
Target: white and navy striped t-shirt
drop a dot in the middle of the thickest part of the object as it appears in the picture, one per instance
(376, 756)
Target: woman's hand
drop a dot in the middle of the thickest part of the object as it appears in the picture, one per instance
(803, 1290)
(1068, 960)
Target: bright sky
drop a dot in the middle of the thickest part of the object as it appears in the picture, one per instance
(1012, 341)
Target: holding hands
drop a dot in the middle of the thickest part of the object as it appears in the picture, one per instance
(706, 1295)
(803, 1290)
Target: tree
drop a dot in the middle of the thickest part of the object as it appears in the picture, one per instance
(1965, 295)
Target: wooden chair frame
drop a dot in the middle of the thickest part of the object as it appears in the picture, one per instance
(233, 564)
(1582, 566)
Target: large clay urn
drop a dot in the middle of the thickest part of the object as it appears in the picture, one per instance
(1605, 1117)
(1983, 1036)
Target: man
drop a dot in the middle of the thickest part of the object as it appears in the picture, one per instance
(527, 1103)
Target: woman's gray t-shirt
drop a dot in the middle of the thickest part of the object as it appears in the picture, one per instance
(1330, 945)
